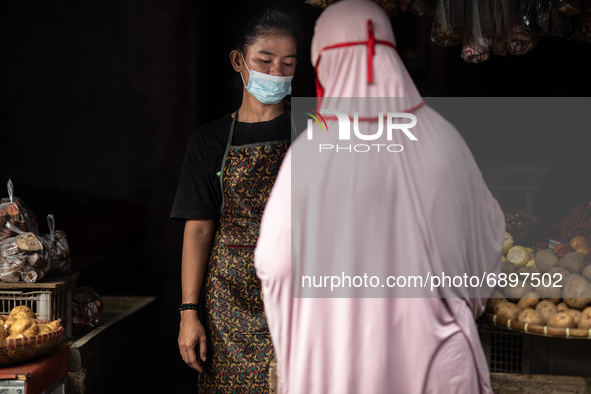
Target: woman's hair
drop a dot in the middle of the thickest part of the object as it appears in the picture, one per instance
(256, 19)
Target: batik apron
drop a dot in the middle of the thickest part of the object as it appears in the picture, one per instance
(239, 346)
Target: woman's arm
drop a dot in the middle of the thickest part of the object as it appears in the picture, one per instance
(197, 242)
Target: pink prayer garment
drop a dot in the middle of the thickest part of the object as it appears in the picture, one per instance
(423, 210)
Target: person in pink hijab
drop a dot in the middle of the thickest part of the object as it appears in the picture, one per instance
(423, 210)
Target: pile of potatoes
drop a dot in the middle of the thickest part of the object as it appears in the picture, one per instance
(21, 322)
(568, 306)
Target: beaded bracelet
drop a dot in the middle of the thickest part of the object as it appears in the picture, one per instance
(184, 307)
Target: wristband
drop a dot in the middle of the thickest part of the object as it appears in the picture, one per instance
(184, 307)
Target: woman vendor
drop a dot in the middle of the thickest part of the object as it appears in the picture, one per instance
(229, 169)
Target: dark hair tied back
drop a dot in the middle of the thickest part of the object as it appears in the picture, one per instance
(256, 19)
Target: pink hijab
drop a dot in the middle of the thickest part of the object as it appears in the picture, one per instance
(423, 210)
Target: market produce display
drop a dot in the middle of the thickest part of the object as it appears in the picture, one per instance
(548, 292)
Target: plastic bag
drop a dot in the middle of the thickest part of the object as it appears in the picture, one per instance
(86, 309)
(569, 7)
(478, 37)
(511, 35)
(530, 18)
(61, 262)
(417, 7)
(448, 23)
(582, 30)
(560, 25)
(24, 258)
(15, 216)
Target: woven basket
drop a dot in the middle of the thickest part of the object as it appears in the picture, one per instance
(535, 329)
(19, 350)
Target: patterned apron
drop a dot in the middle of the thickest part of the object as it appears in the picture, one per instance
(239, 347)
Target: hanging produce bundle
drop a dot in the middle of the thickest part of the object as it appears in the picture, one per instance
(15, 216)
(479, 32)
(582, 31)
(511, 35)
(569, 7)
(59, 251)
(560, 24)
(448, 23)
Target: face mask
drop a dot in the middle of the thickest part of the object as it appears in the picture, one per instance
(268, 89)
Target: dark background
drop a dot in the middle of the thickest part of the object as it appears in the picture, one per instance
(99, 100)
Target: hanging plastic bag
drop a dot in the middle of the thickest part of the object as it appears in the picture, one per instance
(560, 25)
(57, 242)
(417, 7)
(569, 7)
(521, 41)
(501, 18)
(511, 35)
(479, 32)
(15, 215)
(582, 30)
(448, 23)
(24, 258)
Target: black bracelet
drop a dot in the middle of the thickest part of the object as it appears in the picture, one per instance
(184, 307)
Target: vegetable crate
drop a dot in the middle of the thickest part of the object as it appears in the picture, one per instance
(520, 353)
(50, 299)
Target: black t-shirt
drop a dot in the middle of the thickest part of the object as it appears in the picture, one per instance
(199, 194)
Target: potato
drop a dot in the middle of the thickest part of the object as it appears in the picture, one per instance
(21, 311)
(574, 262)
(558, 275)
(549, 293)
(508, 310)
(562, 307)
(545, 260)
(516, 293)
(493, 300)
(587, 272)
(530, 316)
(575, 314)
(577, 294)
(46, 328)
(546, 309)
(585, 320)
(25, 326)
(530, 300)
(508, 267)
(572, 278)
(562, 319)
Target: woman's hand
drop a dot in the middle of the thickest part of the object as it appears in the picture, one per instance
(191, 337)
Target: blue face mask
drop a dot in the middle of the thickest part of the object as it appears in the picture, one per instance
(268, 89)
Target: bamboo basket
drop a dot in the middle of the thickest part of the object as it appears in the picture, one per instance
(19, 350)
(535, 329)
